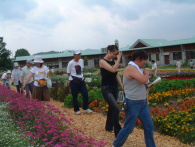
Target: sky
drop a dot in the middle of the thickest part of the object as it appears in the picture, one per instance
(45, 25)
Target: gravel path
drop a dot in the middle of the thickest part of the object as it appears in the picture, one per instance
(93, 126)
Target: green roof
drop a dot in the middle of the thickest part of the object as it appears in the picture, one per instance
(150, 43)
(163, 42)
(66, 53)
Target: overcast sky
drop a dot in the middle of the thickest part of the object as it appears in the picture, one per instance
(45, 25)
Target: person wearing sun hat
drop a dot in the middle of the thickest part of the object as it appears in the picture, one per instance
(25, 74)
(6, 79)
(40, 73)
(15, 77)
(77, 82)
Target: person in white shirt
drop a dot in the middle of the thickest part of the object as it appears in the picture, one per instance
(178, 65)
(191, 64)
(40, 73)
(16, 77)
(24, 75)
(77, 83)
(154, 68)
(6, 78)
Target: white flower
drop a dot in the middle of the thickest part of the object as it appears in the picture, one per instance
(88, 80)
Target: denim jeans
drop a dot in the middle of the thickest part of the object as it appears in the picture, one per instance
(29, 89)
(75, 89)
(7, 84)
(136, 109)
(110, 94)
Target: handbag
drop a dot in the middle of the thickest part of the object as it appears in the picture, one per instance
(48, 80)
(49, 83)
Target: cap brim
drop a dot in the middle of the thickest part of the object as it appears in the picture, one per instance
(38, 61)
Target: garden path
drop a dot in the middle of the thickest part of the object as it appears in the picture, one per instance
(93, 126)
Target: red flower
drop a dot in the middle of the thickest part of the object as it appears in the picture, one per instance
(157, 109)
(139, 122)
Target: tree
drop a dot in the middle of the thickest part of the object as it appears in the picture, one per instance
(50, 52)
(21, 52)
(85, 61)
(5, 61)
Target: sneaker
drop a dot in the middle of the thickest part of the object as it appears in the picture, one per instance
(77, 112)
(88, 111)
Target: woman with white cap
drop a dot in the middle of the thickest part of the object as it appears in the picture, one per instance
(15, 76)
(6, 79)
(40, 74)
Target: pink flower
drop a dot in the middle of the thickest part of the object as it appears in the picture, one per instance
(50, 131)
(45, 139)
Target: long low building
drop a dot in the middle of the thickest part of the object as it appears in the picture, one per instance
(164, 52)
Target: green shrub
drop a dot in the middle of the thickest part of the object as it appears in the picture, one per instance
(68, 101)
(166, 85)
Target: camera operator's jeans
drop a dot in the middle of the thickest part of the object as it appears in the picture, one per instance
(136, 109)
(110, 94)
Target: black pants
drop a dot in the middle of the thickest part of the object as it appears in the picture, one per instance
(75, 89)
(18, 87)
(110, 94)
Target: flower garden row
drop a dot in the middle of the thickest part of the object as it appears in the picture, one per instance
(177, 120)
(43, 124)
(165, 100)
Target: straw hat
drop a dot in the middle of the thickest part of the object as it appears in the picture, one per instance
(38, 59)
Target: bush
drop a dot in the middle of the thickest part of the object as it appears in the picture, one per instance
(93, 94)
(59, 91)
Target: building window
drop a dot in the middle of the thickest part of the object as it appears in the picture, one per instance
(190, 54)
(149, 57)
(96, 62)
(64, 64)
(176, 55)
(157, 57)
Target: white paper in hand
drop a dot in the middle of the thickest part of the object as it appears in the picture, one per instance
(156, 81)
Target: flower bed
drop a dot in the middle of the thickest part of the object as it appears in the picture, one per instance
(44, 124)
(177, 120)
(166, 96)
(176, 71)
(9, 132)
(179, 78)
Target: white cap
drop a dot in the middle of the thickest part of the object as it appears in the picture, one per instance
(77, 52)
(16, 64)
(38, 59)
(29, 61)
(8, 71)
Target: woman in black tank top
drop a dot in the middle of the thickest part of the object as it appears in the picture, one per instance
(110, 82)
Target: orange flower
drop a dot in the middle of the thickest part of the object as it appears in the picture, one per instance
(91, 105)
